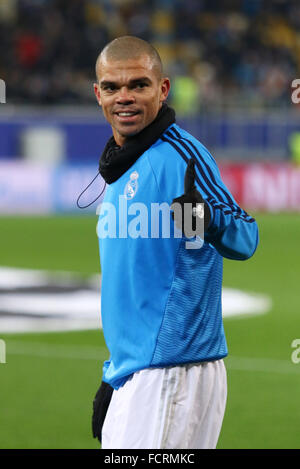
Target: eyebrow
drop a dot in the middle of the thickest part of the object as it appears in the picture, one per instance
(131, 82)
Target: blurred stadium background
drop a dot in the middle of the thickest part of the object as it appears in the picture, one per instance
(231, 66)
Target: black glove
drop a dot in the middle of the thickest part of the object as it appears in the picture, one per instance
(192, 196)
(100, 406)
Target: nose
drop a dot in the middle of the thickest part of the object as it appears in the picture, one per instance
(125, 96)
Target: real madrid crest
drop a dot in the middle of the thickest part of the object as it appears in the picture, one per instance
(131, 186)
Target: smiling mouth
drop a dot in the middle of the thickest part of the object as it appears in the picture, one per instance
(127, 117)
(127, 113)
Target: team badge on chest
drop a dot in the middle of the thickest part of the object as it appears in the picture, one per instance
(131, 186)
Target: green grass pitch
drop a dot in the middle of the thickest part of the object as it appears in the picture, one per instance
(49, 381)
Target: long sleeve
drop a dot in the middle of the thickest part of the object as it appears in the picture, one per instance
(232, 232)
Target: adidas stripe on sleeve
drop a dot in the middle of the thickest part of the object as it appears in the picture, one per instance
(232, 232)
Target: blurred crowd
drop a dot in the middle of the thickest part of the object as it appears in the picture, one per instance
(217, 54)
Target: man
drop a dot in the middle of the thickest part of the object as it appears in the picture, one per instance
(160, 301)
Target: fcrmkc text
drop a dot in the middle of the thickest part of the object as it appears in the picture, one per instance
(150, 458)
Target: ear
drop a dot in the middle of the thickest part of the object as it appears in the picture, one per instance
(164, 89)
(97, 93)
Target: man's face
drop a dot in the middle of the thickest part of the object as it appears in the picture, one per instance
(130, 93)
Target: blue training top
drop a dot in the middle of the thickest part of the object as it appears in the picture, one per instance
(161, 302)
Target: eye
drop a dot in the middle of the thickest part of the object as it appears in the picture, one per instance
(141, 85)
(109, 88)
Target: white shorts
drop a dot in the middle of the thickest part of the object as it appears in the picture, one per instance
(168, 408)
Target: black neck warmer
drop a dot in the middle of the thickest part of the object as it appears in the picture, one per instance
(116, 160)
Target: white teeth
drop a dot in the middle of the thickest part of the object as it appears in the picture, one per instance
(126, 114)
